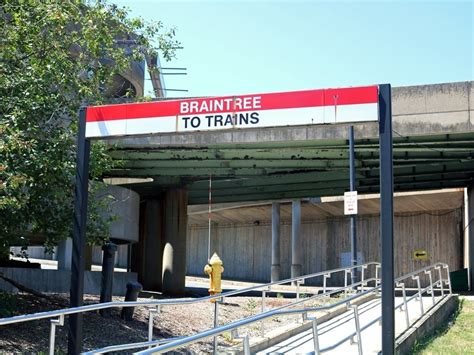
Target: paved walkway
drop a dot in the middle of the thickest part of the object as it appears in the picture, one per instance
(334, 334)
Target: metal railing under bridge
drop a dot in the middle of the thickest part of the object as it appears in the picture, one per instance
(353, 292)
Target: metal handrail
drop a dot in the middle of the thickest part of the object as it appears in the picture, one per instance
(157, 303)
(173, 301)
(260, 317)
(400, 305)
(293, 304)
(244, 322)
(130, 346)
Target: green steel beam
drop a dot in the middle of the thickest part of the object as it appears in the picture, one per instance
(422, 186)
(332, 184)
(440, 145)
(411, 178)
(281, 153)
(417, 153)
(239, 164)
(285, 179)
(222, 172)
(216, 192)
(426, 168)
(423, 166)
(239, 146)
(230, 154)
(300, 158)
(280, 170)
(268, 196)
(467, 136)
(427, 138)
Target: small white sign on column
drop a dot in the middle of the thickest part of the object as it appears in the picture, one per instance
(350, 202)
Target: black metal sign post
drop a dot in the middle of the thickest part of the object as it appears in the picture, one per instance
(79, 236)
(386, 218)
(353, 216)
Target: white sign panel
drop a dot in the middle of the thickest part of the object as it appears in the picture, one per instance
(325, 106)
(350, 202)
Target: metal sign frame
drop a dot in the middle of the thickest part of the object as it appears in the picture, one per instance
(386, 226)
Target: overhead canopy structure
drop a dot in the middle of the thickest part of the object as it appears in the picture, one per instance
(317, 209)
(295, 169)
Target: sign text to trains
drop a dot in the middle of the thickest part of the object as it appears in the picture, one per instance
(199, 116)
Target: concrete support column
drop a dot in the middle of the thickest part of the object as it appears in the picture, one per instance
(147, 255)
(64, 254)
(275, 272)
(174, 238)
(470, 242)
(296, 248)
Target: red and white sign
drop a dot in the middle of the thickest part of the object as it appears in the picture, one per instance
(357, 104)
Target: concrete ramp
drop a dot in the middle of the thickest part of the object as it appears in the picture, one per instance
(338, 336)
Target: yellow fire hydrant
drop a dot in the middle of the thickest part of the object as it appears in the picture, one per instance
(214, 269)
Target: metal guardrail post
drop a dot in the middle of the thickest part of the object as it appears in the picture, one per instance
(325, 277)
(363, 284)
(52, 335)
(347, 272)
(357, 325)
(448, 280)
(262, 325)
(151, 313)
(216, 324)
(428, 272)
(419, 297)
(377, 280)
(405, 304)
(298, 291)
(315, 336)
(245, 341)
(246, 345)
(440, 280)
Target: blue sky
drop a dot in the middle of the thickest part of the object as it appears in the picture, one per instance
(238, 47)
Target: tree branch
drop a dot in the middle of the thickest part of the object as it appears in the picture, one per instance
(22, 287)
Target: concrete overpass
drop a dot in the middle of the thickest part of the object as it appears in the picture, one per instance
(433, 148)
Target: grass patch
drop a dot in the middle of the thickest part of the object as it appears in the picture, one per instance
(456, 336)
(251, 306)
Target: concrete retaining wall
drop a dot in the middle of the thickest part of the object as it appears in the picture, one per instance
(58, 281)
(426, 325)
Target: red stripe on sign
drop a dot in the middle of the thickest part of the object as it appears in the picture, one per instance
(256, 102)
(130, 111)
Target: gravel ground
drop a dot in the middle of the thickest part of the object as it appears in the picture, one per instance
(171, 321)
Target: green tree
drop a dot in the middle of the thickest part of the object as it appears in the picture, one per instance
(54, 57)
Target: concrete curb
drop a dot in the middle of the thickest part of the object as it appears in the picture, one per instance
(427, 324)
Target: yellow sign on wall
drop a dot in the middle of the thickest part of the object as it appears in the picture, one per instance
(420, 255)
